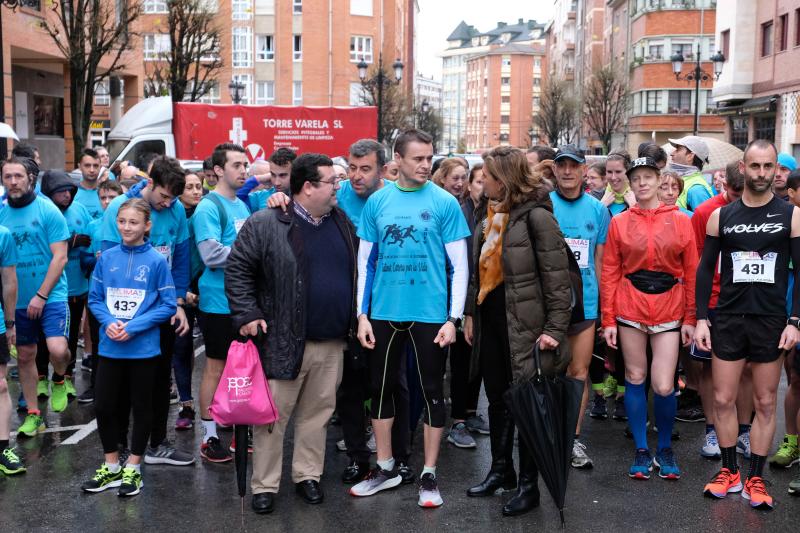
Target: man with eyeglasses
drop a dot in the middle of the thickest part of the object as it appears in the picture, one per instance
(292, 276)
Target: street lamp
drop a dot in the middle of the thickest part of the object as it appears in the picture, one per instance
(425, 106)
(697, 75)
(237, 89)
(379, 81)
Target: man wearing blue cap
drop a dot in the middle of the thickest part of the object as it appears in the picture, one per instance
(786, 165)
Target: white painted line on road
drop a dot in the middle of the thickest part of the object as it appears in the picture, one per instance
(199, 350)
(82, 433)
(57, 429)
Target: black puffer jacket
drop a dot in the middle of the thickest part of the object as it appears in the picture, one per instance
(265, 279)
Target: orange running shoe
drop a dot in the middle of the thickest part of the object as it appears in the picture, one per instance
(724, 482)
(756, 492)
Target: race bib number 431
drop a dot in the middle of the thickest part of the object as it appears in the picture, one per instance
(751, 267)
(123, 303)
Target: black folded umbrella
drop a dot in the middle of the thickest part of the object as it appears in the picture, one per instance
(545, 410)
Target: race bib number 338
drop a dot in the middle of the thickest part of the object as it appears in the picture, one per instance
(751, 267)
(123, 303)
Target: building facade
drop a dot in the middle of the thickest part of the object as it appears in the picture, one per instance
(589, 55)
(428, 90)
(760, 97)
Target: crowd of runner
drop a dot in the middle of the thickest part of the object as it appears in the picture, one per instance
(358, 278)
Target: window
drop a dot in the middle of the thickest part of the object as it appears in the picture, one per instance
(537, 62)
(265, 7)
(247, 81)
(797, 27)
(506, 61)
(357, 94)
(783, 43)
(208, 6)
(685, 50)
(361, 7)
(241, 9)
(766, 39)
(765, 128)
(265, 48)
(726, 43)
(297, 93)
(297, 6)
(360, 48)
(155, 45)
(653, 102)
(655, 51)
(242, 47)
(739, 132)
(537, 101)
(155, 6)
(101, 94)
(265, 92)
(537, 82)
(505, 119)
(680, 102)
(505, 81)
(505, 99)
(297, 48)
(212, 95)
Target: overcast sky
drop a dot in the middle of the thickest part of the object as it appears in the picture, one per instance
(438, 18)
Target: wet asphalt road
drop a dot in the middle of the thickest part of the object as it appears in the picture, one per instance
(203, 497)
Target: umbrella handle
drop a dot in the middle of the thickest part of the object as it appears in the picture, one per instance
(537, 358)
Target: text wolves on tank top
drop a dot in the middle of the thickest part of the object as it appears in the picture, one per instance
(754, 245)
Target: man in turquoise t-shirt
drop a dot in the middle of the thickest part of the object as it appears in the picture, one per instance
(367, 160)
(40, 233)
(89, 165)
(412, 281)
(214, 240)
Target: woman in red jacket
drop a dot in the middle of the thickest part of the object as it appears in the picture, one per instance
(647, 294)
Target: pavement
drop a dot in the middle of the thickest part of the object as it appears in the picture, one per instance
(203, 497)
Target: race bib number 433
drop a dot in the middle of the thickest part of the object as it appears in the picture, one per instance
(123, 303)
(751, 267)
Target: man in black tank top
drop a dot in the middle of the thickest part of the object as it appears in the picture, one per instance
(756, 237)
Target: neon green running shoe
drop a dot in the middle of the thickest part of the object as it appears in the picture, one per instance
(788, 454)
(609, 386)
(43, 388)
(103, 479)
(59, 400)
(71, 392)
(131, 482)
(13, 351)
(33, 425)
(10, 463)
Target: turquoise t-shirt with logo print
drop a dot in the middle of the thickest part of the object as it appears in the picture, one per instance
(409, 271)
(90, 200)
(78, 222)
(34, 228)
(349, 202)
(206, 225)
(8, 258)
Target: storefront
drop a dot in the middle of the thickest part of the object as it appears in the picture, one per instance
(98, 132)
(749, 120)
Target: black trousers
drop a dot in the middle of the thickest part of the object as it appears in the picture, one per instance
(129, 382)
(463, 392)
(94, 334)
(353, 393)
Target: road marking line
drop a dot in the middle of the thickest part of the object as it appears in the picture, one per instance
(199, 350)
(57, 429)
(81, 434)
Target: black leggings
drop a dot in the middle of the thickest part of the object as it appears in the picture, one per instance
(130, 382)
(390, 353)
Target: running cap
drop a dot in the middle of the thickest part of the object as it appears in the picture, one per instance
(572, 152)
(785, 160)
(696, 145)
(643, 162)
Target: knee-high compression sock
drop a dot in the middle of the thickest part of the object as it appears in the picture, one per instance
(636, 405)
(664, 407)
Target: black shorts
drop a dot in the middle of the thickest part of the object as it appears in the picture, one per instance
(5, 355)
(579, 327)
(751, 337)
(218, 334)
(796, 363)
(695, 352)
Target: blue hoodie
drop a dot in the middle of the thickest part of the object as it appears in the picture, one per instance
(134, 285)
(169, 235)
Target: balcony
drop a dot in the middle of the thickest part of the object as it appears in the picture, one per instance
(641, 7)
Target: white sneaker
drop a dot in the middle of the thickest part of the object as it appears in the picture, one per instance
(377, 480)
(579, 457)
(743, 445)
(711, 448)
(429, 495)
(340, 445)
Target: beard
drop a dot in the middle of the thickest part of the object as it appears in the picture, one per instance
(758, 185)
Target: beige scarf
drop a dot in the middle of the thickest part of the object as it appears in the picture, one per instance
(490, 266)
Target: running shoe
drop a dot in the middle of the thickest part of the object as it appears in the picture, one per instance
(724, 482)
(579, 457)
(103, 479)
(165, 454)
(124, 455)
(86, 362)
(13, 373)
(694, 413)
(131, 482)
(743, 445)
(619, 409)
(173, 397)
(599, 408)
(32, 425)
(459, 436)
(22, 404)
(756, 492)
(43, 388)
(341, 446)
(10, 463)
(213, 451)
(86, 396)
(794, 485)
(58, 398)
(710, 449)
(667, 466)
(642, 465)
(406, 472)
(232, 447)
(185, 418)
(787, 455)
(429, 496)
(477, 424)
(609, 386)
(377, 480)
(371, 444)
(71, 392)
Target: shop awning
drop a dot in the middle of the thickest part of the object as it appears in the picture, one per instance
(762, 104)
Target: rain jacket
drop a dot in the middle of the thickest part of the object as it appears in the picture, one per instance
(660, 240)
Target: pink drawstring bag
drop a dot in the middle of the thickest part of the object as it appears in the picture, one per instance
(243, 396)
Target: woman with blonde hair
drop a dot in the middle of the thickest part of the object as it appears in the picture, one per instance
(519, 295)
(452, 176)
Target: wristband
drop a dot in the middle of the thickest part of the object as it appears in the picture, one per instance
(39, 294)
(10, 323)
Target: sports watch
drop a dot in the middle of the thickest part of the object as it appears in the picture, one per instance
(793, 322)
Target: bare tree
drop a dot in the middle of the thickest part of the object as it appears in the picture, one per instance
(605, 101)
(557, 116)
(395, 109)
(89, 32)
(191, 66)
(430, 121)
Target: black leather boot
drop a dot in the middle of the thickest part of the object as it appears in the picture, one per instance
(527, 496)
(501, 474)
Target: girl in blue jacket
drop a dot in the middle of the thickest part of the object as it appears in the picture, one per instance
(131, 293)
